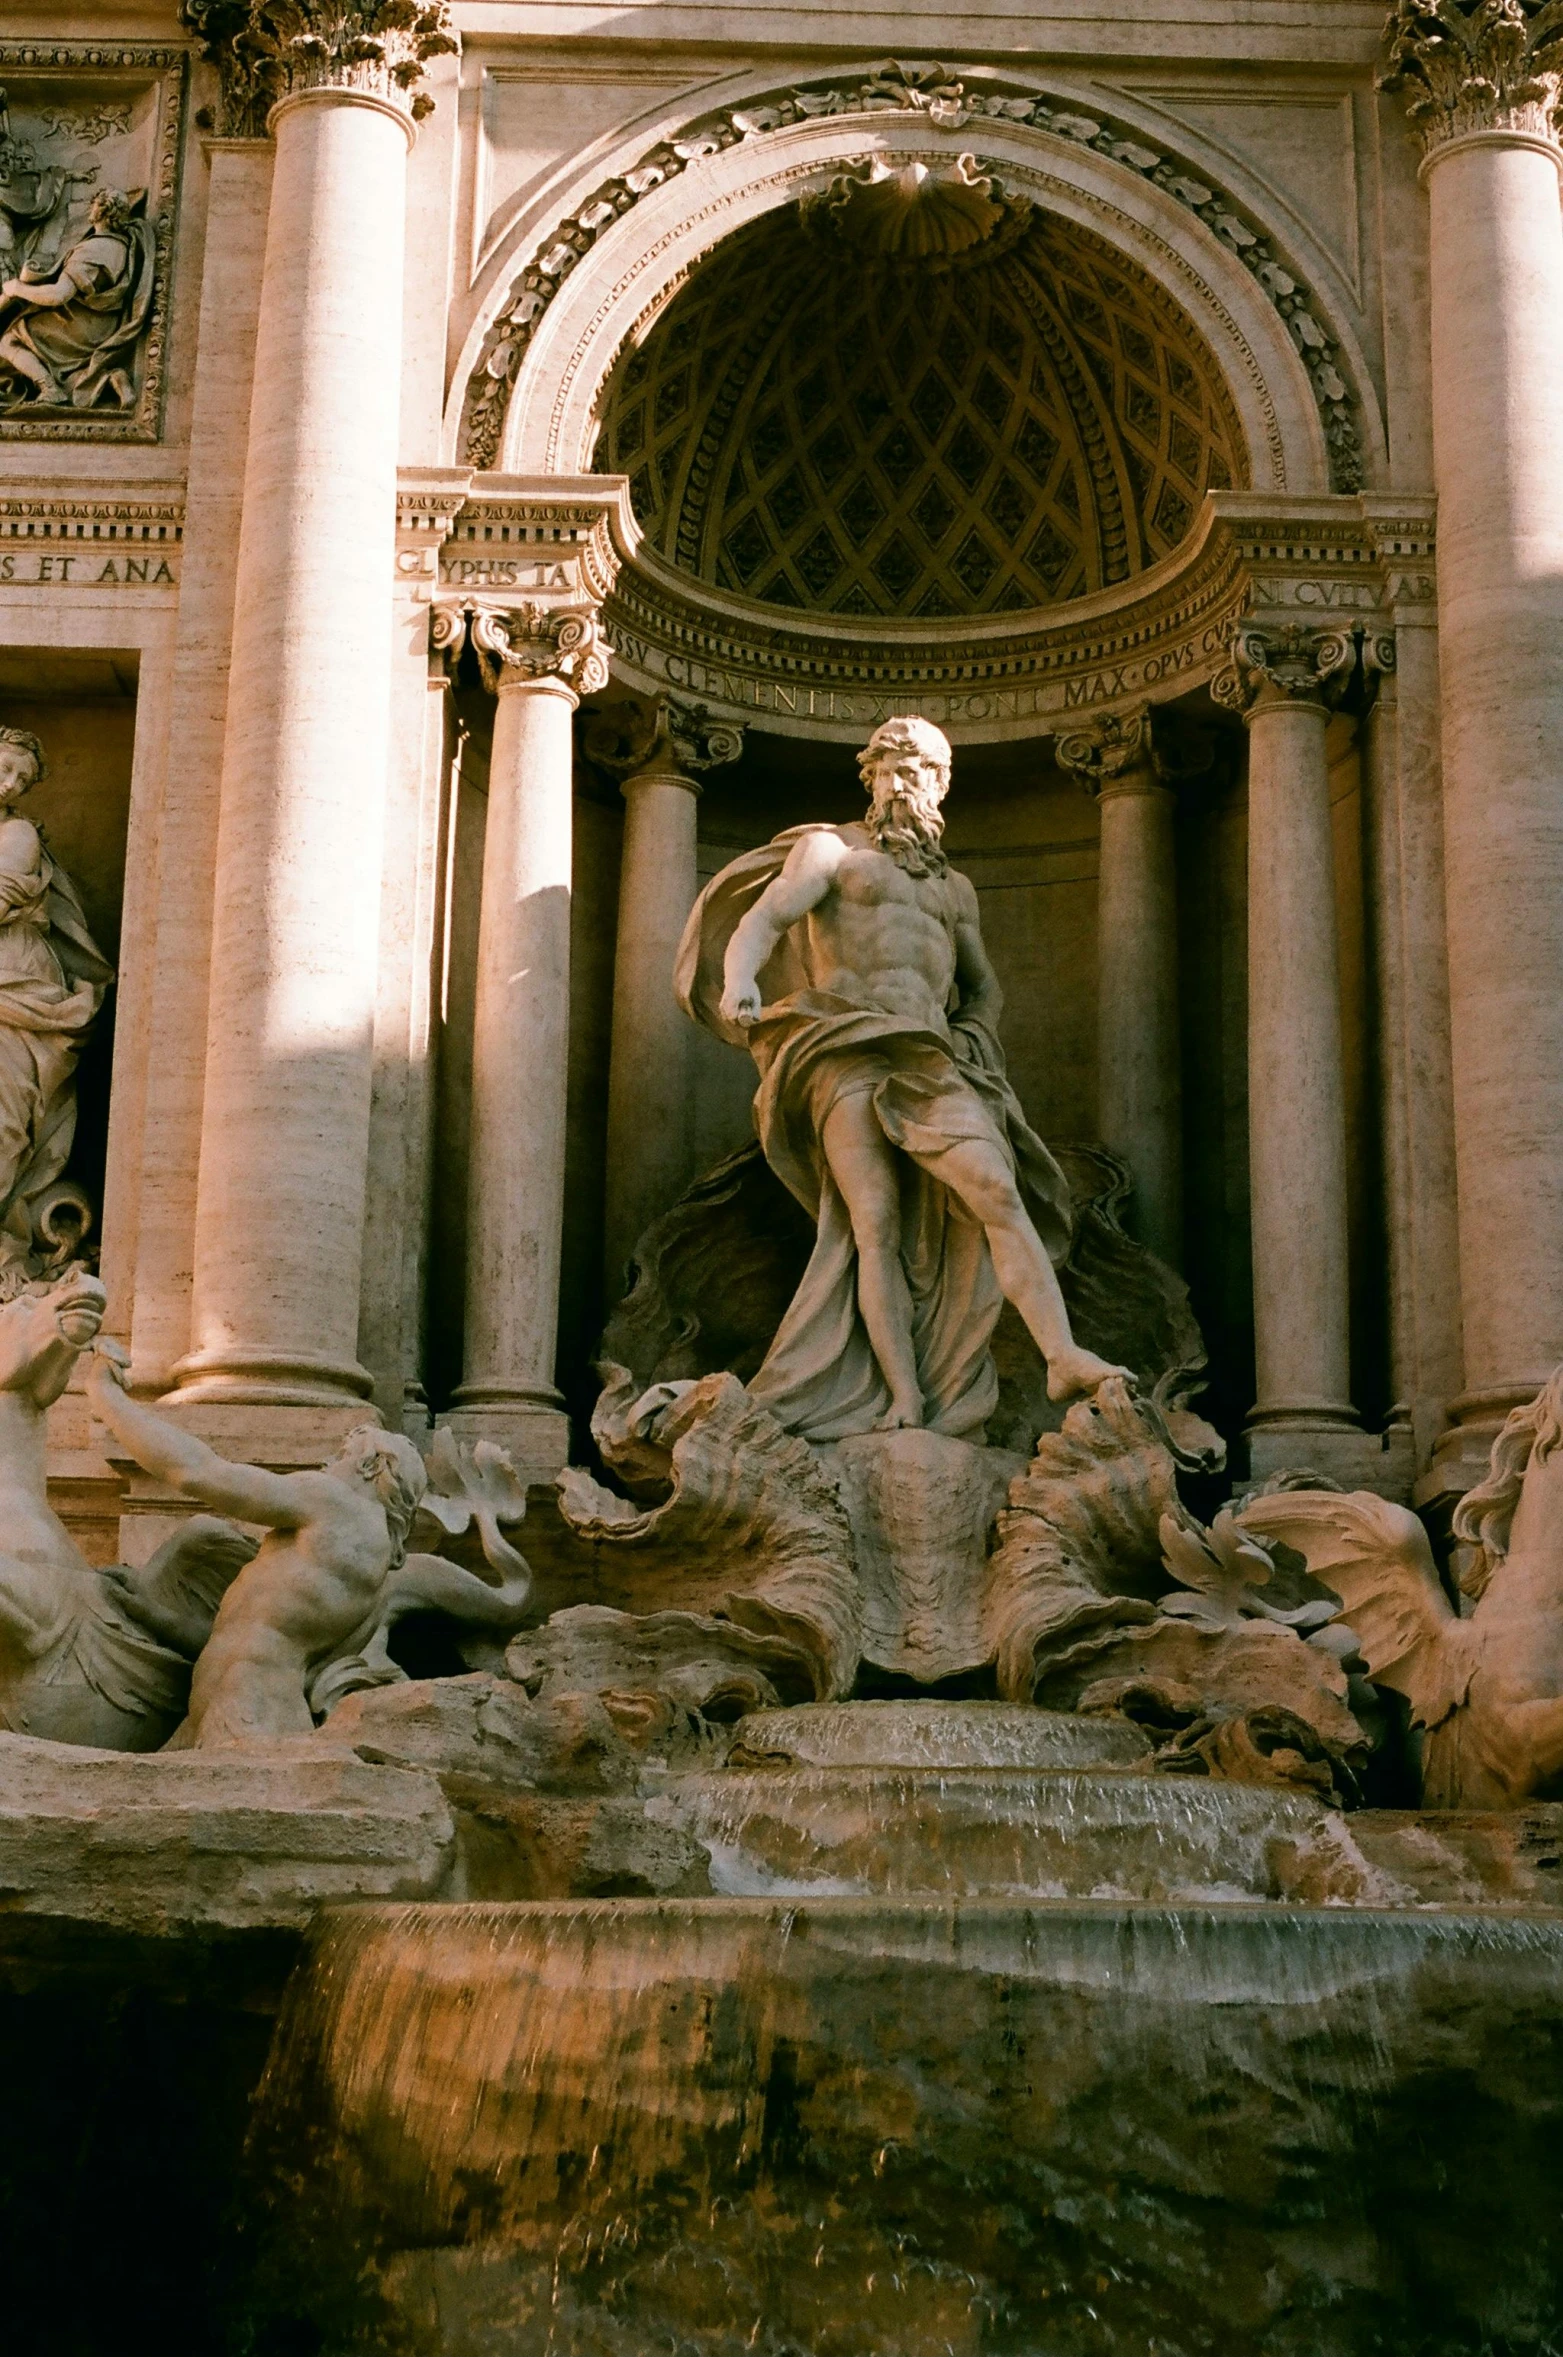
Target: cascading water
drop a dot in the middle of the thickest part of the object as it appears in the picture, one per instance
(912, 2123)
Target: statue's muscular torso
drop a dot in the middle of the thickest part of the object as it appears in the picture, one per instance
(883, 935)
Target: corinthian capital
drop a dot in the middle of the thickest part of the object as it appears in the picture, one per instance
(1475, 65)
(1285, 664)
(266, 50)
(518, 646)
(1133, 752)
(664, 737)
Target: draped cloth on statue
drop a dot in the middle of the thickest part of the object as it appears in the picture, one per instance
(930, 1089)
(52, 980)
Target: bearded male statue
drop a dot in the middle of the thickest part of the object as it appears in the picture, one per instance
(850, 962)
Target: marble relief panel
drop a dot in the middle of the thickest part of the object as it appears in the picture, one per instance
(89, 161)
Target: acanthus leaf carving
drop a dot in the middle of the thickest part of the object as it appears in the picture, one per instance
(1476, 65)
(267, 50)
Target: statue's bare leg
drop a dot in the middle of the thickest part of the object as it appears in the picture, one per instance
(862, 1163)
(980, 1177)
(24, 363)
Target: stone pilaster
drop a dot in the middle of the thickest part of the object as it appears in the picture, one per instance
(1284, 681)
(1128, 762)
(286, 1115)
(661, 752)
(537, 662)
(1481, 87)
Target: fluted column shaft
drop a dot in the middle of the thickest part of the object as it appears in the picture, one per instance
(1125, 759)
(660, 751)
(648, 1069)
(285, 1128)
(1140, 1085)
(1481, 81)
(1497, 314)
(1284, 681)
(521, 1039)
(1296, 1088)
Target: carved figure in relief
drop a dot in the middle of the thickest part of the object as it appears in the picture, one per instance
(307, 1620)
(1486, 1692)
(32, 195)
(68, 334)
(850, 961)
(52, 980)
(88, 1655)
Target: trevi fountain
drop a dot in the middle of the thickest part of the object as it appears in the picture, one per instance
(781, 1237)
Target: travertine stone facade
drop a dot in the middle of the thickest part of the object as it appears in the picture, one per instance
(507, 469)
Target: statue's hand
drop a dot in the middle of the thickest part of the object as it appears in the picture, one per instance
(741, 1003)
(111, 1363)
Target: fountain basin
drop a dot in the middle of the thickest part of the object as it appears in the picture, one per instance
(901, 2128)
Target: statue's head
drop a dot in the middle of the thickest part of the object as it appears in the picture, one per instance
(109, 210)
(21, 763)
(389, 1465)
(905, 767)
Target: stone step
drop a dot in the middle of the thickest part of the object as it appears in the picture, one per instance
(984, 1831)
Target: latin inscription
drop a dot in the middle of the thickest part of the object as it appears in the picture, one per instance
(83, 568)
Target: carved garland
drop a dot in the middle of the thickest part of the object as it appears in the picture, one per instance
(948, 104)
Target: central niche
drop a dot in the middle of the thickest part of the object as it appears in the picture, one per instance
(819, 425)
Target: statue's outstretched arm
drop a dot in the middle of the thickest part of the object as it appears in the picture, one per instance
(278, 1500)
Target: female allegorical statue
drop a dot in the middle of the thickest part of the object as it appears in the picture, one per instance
(52, 980)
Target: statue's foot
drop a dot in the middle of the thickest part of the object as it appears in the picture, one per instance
(1072, 1372)
(902, 1415)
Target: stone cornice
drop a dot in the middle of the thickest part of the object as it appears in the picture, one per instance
(266, 51)
(83, 516)
(1302, 559)
(974, 94)
(1468, 66)
(513, 564)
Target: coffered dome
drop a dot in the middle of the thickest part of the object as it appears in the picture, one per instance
(816, 426)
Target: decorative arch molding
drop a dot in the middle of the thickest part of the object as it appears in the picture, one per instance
(553, 331)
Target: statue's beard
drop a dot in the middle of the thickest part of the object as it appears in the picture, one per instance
(907, 828)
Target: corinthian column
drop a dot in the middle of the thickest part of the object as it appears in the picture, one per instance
(285, 1123)
(1481, 87)
(1284, 682)
(665, 751)
(537, 664)
(1126, 762)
